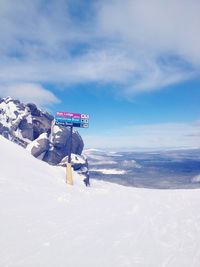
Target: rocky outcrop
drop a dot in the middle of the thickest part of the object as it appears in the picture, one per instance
(35, 130)
(39, 146)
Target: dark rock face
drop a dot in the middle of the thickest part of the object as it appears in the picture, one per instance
(26, 129)
(35, 130)
(33, 109)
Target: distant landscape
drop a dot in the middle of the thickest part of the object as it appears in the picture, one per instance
(173, 169)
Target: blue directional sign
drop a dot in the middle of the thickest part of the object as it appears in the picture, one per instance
(72, 119)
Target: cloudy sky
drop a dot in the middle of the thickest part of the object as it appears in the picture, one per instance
(133, 65)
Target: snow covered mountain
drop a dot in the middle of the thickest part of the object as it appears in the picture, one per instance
(45, 222)
(35, 130)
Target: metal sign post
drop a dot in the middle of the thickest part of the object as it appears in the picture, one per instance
(71, 120)
(69, 178)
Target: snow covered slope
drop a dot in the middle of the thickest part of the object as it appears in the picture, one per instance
(44, 222)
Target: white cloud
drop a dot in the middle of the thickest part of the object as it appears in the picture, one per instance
(165, 135)
(29, 93)
(104, 66)
(161, 37)
(157, 26)
(139, 45)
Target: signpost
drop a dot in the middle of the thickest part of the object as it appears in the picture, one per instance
(71, 120)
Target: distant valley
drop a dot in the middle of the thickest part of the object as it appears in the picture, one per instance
(174, 169)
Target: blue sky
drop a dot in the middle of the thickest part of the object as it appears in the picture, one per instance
(133, 65)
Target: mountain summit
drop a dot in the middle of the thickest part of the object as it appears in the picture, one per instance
(34, 129)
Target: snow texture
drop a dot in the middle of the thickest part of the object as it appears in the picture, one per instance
(45, 222)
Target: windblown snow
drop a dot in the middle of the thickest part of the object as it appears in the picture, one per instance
(45, 222)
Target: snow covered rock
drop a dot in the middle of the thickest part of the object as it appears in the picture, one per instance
(35, 129)
(59, 144)
(39, 146)
(79, 164)
(20, 123)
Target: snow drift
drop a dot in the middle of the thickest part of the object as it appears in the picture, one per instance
(45, 222)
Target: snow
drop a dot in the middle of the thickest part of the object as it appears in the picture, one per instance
(35, 143)
(196, 179)
(29, 118)
(45, 222)
(8, 109)
(131, 163)
(11, 114)
(76, 159)
(109, 171)
(18, 134)
(56, 129)
(105, 162)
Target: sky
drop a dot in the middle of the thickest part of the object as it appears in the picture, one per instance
(132, 65)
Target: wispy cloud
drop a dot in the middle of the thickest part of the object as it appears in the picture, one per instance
(161, 38)
(139, 45)
(104, 66)
(29, 93)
